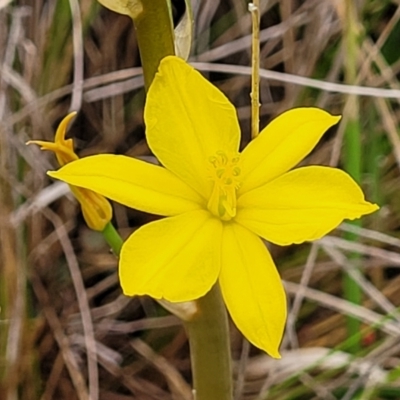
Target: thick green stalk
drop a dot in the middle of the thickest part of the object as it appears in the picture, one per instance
(208, 330)
(352, 291)
(154, 32)
(210, 348)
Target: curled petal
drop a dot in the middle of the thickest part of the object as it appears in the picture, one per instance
(176, 258)
(252, 288)
(187, 121)
(131, 182)
(62, 148)
(282, 144)
(303, 204)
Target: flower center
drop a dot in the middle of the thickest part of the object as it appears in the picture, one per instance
(224, 172)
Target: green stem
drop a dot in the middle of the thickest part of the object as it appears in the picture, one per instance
(154, 32)
(208, 333)
(210, 348)
(255, 68)
(352, 143)
(113, 238)
(208, 330)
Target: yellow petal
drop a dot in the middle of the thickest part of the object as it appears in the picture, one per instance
(282, 144)
(187, 121)
(303, 204)
(131, 182)
(176, 258)
(252, 288)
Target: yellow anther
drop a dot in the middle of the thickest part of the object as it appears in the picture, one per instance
(224, 174)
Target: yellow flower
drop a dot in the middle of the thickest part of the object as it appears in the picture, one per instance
(96, 209)
(219, 202)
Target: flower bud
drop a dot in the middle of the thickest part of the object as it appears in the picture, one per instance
(96, 209)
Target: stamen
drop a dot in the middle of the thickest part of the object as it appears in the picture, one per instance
(224, 174)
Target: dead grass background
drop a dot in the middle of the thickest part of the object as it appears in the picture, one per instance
(59, 293)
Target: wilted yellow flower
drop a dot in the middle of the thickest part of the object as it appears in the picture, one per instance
(218, 201)
(96, 209)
